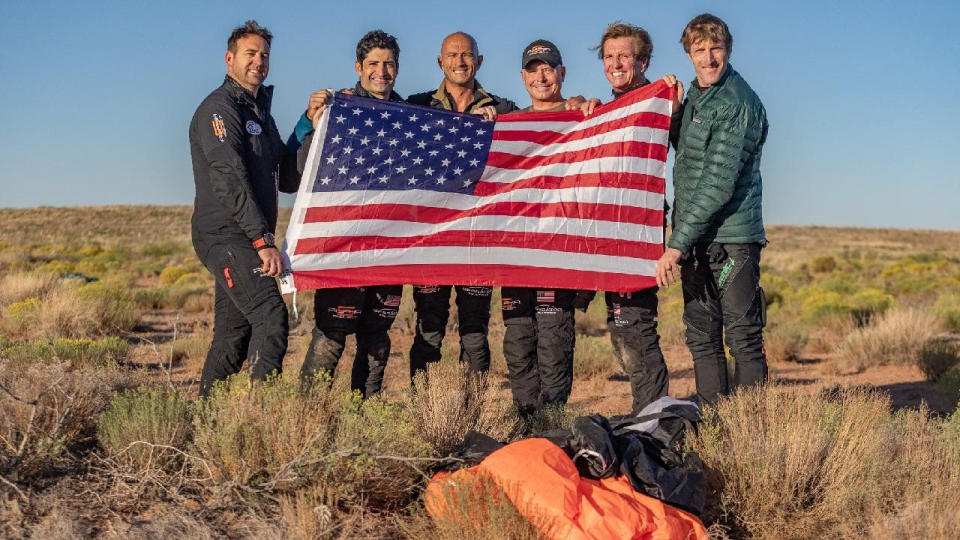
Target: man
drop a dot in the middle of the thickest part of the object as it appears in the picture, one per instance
(539, 339)
(459, 59)
(367, 311)
(239, 163)
(717, 223)
(625, 50)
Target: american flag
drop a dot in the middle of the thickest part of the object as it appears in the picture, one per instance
(396, 193)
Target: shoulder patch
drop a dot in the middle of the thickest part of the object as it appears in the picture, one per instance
(219, 131)
(253, 128)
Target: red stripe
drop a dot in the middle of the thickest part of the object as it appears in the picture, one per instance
(429, 214)
(641, 119)
(634, 149)
(471, 274)
(657, 89)
(564, 243)
(641, 182)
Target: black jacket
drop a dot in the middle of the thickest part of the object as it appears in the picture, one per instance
(440, 99)
(239, 164)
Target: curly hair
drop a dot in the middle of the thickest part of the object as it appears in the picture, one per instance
(377, 39)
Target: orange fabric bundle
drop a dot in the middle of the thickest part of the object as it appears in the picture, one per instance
(543, 483)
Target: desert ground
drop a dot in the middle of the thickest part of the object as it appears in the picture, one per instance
(106, 315)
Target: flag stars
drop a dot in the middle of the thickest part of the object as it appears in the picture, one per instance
(359, 160)
(365, 141)
(440, 122)
(342, 170)
(428, 171)
(425, 127)
(335, 139)
(437, 137)
(371, 170)
(448, 146)
(383, 179)
(466, 183)
(326, 180)
(381, 133)
(457, 171)
(414, 118)
(412, 180)
(477, 145)
(445, 162)
(340, 119)
(441, 180)
(388, 161)
(421, 145)
(347, 150)
(453, 129)
(353, 131)
(331, 159)
(393, 142)
(404, 153)
(433, 152)
(354, 179)
(400, 169)
(376, 151)
(384, 115)
(368, 122)
(474, 162)
(408, 134)
(417, 161)
(481, 131)
(461, 153)
(468, 124)
(397, 125)
(356, 112)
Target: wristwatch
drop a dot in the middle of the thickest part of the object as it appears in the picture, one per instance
(264, 242)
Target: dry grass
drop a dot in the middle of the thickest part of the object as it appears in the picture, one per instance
(594, 357)
(897, 337)
(48, 410)
(830, 466)
(784, 342)
(18, 287)
(447, 402)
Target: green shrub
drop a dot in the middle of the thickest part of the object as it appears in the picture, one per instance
(937, 357)
(947, 308)
(171, 274)
(146, 427)
(784, 342)
(897, 337)
(594, 357)
(949, 384)
(20, 317)
(819, 304)
(152, 297)
(870, 302)
(823, 264)
(192, 279)
(85, 351)
(57, 268)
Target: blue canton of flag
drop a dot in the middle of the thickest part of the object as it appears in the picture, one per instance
(388, 145)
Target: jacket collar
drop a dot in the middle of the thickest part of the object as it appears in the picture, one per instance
(241, 95)
(359, 90)
(642, 82)
(481, 97)
(699, 94)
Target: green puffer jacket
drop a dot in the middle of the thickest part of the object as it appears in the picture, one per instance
(716, 174)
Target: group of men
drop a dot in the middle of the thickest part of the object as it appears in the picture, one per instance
(240, 162)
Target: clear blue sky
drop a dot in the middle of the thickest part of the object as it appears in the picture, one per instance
(861, 96)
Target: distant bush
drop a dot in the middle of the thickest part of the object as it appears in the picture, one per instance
(819, 304)
(79, 353)
(947, 308)
(784, 342)
(594, 357)
(20, 317)
(21, 286)
(170, 274)
(870, 302)
(949, 384)
(897, 337)
(936, 357)
(823, 263)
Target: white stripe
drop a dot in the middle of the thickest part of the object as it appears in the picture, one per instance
(629, 133)
(458, 201)
(607, 165)
(610, 230)
(654, 105)
(475, 255)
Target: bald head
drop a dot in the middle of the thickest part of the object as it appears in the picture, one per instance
(460, 36)
(459, 59)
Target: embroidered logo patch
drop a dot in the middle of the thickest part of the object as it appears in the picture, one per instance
(546, 297)
(392, 300)
(509, 304)
(219, 131)
(254, 128)
(697, 120)
(344, 312)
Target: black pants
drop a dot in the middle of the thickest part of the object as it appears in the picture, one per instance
(433, 310)
(366, 311)
(538, 345)
(249, 316)
(721, 292)
(632, 320)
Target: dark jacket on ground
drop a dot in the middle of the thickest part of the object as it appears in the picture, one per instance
(441, 99)
(716, 175)
(239, 164)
